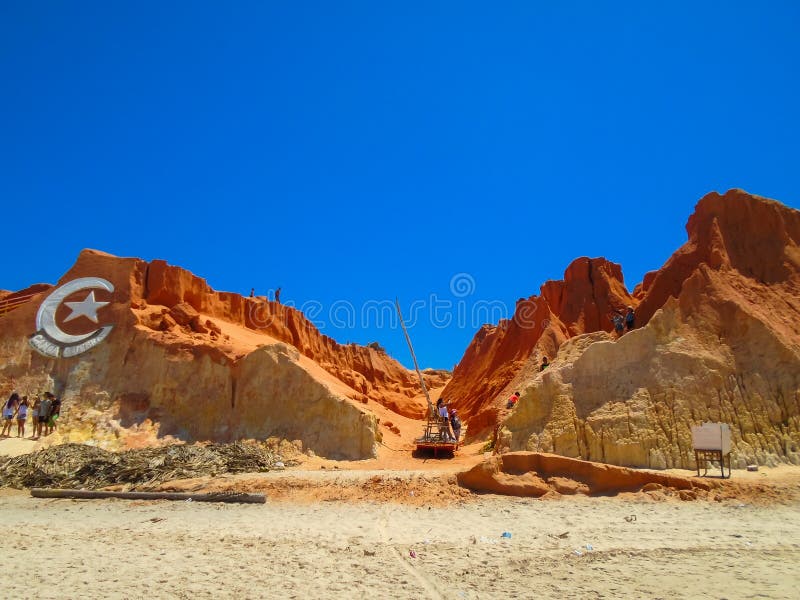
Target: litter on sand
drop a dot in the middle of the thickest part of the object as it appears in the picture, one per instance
(559, 536)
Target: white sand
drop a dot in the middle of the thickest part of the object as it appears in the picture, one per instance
(14, 446)
(119, 549)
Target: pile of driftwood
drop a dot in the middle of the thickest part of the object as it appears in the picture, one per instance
(80, 466)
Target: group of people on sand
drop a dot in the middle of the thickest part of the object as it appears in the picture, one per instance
(43, 413)
(449, 422)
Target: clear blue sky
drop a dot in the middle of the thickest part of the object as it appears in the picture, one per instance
(361, 151)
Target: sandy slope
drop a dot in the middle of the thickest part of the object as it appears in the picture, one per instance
(111, 549)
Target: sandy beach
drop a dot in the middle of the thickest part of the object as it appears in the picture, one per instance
(317, 546)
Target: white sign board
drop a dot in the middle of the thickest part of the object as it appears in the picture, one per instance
(712, 436)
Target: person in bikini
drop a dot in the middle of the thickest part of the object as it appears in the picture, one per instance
(35, 416)
(9, 410)
(22, 415)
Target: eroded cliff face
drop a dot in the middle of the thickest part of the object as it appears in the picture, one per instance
(183, 361)
(583, 301)
(754, 237)
(371, 373)
(721, 342)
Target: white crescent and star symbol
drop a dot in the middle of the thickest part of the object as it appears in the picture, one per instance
(52, 341)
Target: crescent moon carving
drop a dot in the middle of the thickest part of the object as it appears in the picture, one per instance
(46, 317)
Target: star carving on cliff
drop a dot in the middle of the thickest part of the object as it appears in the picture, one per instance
(86, 308)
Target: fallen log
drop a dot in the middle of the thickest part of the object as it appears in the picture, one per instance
(97, 494)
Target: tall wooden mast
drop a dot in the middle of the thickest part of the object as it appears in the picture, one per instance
(414, 357)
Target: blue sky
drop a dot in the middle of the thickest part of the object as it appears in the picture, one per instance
(355, 152)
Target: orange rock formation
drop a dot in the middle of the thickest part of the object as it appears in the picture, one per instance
(370, 372)
(187, 361)
(719, 341)
(535, 474)
(583, 301)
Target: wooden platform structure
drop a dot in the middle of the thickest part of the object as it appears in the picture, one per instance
(435, 439)
(437, 429)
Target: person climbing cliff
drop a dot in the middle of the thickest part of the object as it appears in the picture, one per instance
(544, 365)
(630, 319)
(512, 400)
(619, 322)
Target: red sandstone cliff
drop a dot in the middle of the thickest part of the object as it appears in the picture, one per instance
(719, 341)
(750, 244)
(372, 373)
(751, 236)
(583, 301)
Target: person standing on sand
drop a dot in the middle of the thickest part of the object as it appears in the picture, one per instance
(9, 409)
(22, 415)
(44, 414)
(455, 424)
(444, 419)
(55, 412)
(35, 416)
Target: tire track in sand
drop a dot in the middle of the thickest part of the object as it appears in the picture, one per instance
(429, 586)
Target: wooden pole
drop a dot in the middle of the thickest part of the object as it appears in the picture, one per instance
(414, 357)
(96, 494)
